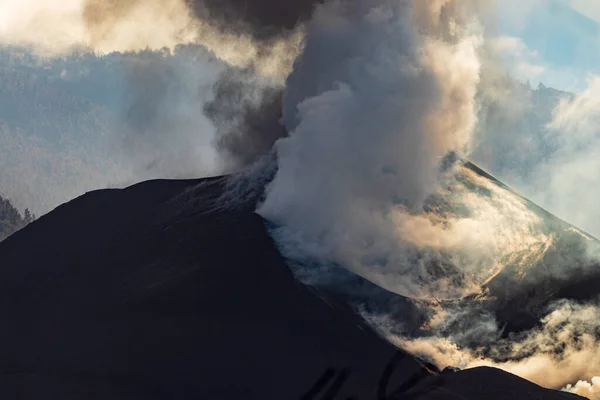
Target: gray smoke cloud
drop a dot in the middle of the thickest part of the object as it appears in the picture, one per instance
(383, 92)
(246, 113)
(262, 19)
(164, 133)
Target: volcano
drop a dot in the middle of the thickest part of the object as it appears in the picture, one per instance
(159, 291)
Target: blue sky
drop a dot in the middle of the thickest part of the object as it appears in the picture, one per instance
(554, 41)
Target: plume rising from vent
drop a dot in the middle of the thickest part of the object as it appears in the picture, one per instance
(381, 101)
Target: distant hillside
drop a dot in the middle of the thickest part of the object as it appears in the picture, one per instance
(85, 121)
(513, 137)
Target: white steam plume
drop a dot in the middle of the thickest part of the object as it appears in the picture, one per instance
(383, 93)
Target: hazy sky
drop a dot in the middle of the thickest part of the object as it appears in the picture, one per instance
(554, 41)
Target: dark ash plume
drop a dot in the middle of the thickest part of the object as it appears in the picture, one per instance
(246, 110)
(246, 115)
(263, 19)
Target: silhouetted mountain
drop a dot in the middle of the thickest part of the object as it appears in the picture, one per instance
(164, 290)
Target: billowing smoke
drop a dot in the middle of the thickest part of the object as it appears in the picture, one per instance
(246, 112)
(381, 101)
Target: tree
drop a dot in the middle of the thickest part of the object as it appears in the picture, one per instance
(11, 219)
(28, 217)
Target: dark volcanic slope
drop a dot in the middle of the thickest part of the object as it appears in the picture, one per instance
(113, 293)
(143, 294)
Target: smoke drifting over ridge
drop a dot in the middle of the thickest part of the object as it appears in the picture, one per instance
(163, 106)
(246, 114)
(259, 39)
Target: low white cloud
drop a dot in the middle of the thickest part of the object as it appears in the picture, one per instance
(526, 65)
